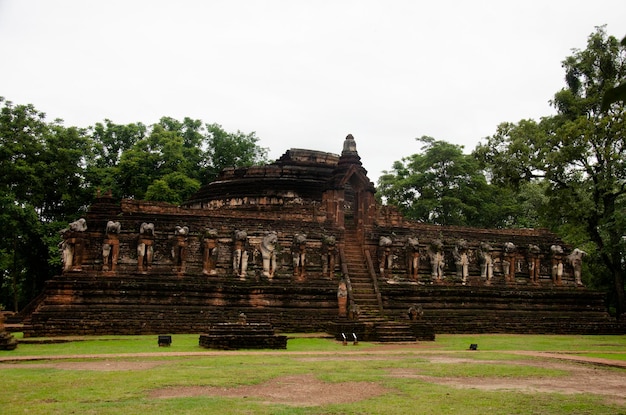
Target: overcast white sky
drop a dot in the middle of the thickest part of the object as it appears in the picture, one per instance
(299, 73)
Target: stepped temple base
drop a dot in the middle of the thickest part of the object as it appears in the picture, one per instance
(302, 244)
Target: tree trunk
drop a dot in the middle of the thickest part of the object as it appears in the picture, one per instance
(612, 254)
(620, 294)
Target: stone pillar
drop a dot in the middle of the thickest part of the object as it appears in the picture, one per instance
(240, 254)
(413, 258)
(209, 251)
(460, 260)
(557, 264)
(268, 254)
(329, 253)
(508, 261)
(576, 261)
(534, 263)
(486, 262)
(111, 246)
(342, 298)
(73, 245)
(298, 253)
(437, 260)
(385, 257)
(179, 248)
(145, 247)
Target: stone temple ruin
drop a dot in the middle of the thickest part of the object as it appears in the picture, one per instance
(301, 244)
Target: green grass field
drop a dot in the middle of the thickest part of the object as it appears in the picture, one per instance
(130, 371)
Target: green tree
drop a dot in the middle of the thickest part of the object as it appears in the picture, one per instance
(580, 153)
(64, 191)
(173, 188)
(618, 93)
(23, 253)
(109, 142)
(149, 159)
(22, 131)
(230, 150)
(194, 136)
(49, 174)
(442, 185)
(176, 157)
(42, 186)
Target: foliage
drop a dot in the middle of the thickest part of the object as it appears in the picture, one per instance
(41, 183)
(615, 94)
(149, 159)
(50, 173)
(174, 158)
(443, 186)
(109, 142)
(580, 153)
(173, 188)
(231, 150)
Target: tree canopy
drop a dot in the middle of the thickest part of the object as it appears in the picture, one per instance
(566, 172)
(442, 185)
(617, 93)
(580, 153)
(49, 174)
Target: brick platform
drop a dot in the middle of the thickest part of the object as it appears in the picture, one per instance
(173, 282)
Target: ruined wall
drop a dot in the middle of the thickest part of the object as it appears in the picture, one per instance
(425, 234)
(172, 297)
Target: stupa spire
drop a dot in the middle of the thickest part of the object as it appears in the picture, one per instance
(349, 145)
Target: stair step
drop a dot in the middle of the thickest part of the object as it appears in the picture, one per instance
(394, 332)
(390, 328)
(394, 339)
(363, 290)
(366, 291)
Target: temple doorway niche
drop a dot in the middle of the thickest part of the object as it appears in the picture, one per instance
(358, 198)
(349, 206)
(349, 196)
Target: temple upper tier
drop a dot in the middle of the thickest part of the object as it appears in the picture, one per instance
(298, 176)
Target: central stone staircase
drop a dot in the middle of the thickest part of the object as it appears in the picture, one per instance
(366, 297)
(363, 289)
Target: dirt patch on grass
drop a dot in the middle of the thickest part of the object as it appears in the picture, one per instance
(584, 376)
(352, 358)
(298, 390)
(94, 365)
(581, 378)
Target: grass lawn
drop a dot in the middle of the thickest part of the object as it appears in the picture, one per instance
(132, 375)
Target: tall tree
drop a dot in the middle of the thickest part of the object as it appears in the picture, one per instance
(109, 142)
(149, 159)
(226, 149)
(442, 185)
(49, 174)
(194, 136)
(172, 188)
(617, 93)
(42, 186)
(175, 158)
(580, 152)
(22, 131)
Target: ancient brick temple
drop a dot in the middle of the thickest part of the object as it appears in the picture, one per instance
(302, 244)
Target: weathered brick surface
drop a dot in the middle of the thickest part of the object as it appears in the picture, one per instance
(317, 194)
(232, 336)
